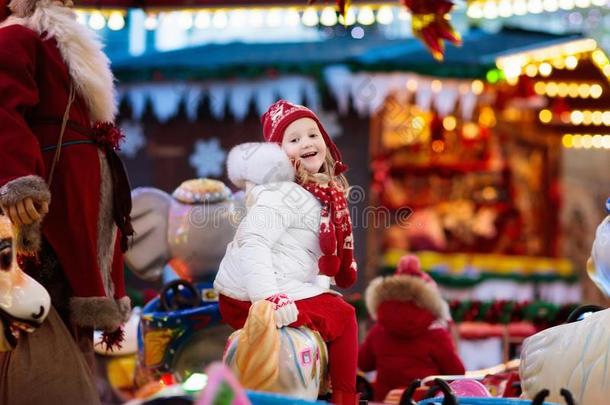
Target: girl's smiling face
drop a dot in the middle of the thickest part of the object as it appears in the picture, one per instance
(303, 142)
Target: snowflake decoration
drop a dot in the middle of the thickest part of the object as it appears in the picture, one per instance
(134, 139)
(330, 121)
(208, 158)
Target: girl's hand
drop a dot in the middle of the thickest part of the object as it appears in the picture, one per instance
(26, 212)
(286, 311)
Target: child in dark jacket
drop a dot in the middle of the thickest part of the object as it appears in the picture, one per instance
(410, 338)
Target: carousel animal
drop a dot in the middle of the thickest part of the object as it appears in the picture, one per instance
(24, 304)
(291, 361)
(598, 265)
(575, 355)
(189, 229)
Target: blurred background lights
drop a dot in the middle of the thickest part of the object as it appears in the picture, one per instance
(220, 19)
(328, 16)
(357, 33)
(274, 17)
(116, 21)
(195, 382)
(152, 22)
(185, 20)
(385, 15)
(310, 17)
(366, 16)
(350, 17)
(97, 21)
(292, 18)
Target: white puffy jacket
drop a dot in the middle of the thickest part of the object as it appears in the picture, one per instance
(276, 246)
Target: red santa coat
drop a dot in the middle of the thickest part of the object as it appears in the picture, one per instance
(36, 70)
(410, 339)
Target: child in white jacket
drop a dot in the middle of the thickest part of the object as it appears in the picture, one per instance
(296, 236)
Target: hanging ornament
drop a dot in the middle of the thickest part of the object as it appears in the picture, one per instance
(430, 23)
(342, 6)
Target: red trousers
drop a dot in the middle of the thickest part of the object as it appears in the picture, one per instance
(328, 314)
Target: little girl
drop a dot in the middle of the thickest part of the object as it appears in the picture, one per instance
(295, 238)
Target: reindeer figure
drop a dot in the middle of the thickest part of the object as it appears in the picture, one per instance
(24, 304)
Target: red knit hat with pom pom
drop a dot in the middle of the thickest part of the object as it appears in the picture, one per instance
(409, 265)
(283, 113)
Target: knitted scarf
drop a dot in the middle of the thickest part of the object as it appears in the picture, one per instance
(336, 239)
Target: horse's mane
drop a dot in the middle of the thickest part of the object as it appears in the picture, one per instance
(258, 349)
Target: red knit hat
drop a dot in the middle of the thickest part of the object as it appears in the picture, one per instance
(283, 113)
(409, 265)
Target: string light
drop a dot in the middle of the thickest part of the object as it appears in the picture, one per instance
(274, 17)
(565, 89)
(545, 69)
(566, 4)
(97, 21)
(475, 11)
(116, 21)
(366, 16)
(520, 7)
(310, 17)
(292, 18)
(220, 19)
(491, 9)
(588, 117)
(531, 70)
(185, 20)
(328, 17)
(350, 17)
(256, 18)
(505, 8)
(550, 5)
(385, 16)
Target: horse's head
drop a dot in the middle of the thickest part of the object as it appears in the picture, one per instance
(598, 266)
(290, 361)
(24, 304)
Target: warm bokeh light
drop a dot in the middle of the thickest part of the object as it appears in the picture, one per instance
(449, 123)
(545, 116)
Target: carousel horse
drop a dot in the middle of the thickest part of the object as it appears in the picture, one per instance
(575, 355)
(291, 361)
(24, 304)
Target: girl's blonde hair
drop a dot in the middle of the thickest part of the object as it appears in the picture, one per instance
(326, 174)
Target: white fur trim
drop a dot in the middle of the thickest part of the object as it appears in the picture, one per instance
(101, 313)
(81, 49)
(405, 288)
(106, 228)
(258, 163)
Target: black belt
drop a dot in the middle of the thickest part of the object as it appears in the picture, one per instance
(69, 143)
(121, 195)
